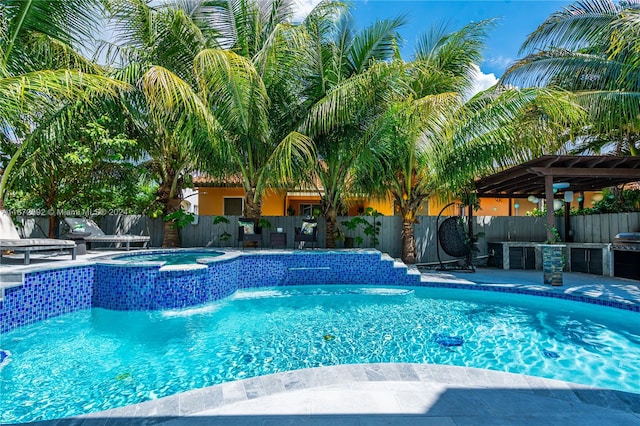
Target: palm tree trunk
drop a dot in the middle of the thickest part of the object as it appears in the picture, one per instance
(170, 235)
(409, 251)
(252, 208)
(331, 218)
(53, 224)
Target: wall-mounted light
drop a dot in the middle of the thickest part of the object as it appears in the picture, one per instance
(597, 196)
(580, 199)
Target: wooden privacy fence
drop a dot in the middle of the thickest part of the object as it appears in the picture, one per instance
(588, 229)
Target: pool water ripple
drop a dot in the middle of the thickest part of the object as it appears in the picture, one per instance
(98, 359)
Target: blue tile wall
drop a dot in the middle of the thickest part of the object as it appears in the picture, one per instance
(46, 294)
(321, 269)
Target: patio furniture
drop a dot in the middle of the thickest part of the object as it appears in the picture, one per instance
(307, 233)
(80, 239)
(10, 240)
(77, 224)
(278, 239)
(451, 238)
(249, 232)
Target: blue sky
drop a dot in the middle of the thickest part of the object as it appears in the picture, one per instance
(516, 19)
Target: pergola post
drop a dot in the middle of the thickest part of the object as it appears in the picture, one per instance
(548, 194)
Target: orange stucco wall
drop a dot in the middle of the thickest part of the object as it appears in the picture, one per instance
(383, 206)
(275, 203)
(210, 200)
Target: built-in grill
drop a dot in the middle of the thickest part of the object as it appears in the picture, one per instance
(626, 255)
(627, 241)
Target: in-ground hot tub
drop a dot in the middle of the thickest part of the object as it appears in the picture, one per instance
(132, 283)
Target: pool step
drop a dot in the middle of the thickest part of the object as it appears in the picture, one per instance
(403, 270)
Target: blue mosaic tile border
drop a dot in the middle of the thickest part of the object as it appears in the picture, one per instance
(541, 293)
(46, 294)
(121, 287)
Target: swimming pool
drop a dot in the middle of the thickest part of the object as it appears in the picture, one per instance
(106, 359)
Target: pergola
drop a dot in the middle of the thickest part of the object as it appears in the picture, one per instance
(574, 173)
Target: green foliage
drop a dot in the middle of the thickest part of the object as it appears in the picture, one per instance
(179, 219)
(370, 229)
(352, 225)
(264, 223)
(590, 49)
(221, 222)
(90, 170)
(555, 235)
(613, 201)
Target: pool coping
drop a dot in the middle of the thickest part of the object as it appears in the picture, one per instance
(233, 398)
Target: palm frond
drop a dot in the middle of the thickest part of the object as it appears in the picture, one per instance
(70, 22)
(580, 25)
(234, 90)
(378, 42)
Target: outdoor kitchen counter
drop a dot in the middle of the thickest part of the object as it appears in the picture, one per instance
(592, 258)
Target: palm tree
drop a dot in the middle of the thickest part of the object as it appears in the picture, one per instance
(254, 88)
(41, 75)
(156, 51)
(212, 107)
(432, 140)
(591, 49)
(349, 82)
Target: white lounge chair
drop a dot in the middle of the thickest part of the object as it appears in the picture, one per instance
(10, 240)
(78, 224)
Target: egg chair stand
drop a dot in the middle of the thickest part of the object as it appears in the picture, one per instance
(450, 237)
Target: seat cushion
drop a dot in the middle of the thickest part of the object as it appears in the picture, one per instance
(308, 227)
(35, 242)
(79, 224)
(248, 226)
(8, 230)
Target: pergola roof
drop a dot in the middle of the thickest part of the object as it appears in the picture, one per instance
(582, 173)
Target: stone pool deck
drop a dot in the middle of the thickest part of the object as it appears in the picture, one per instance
(396, 394)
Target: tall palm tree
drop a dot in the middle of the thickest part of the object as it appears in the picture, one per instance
(349, 82)
(41, 73)
(440, 74)
(156, 49)
(591, 49)
(254, 87)
(212, 107)
(432, 140)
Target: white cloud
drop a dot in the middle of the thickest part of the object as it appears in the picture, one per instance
(481, 81)
(302, 8)
(500, 61)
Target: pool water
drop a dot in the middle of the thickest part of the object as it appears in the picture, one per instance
(173, 258)
(98, 359)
